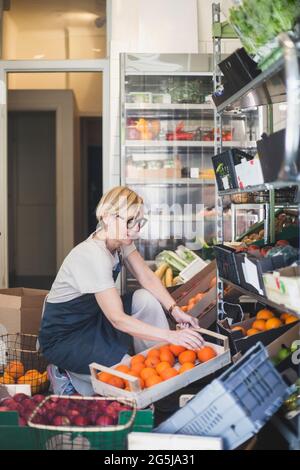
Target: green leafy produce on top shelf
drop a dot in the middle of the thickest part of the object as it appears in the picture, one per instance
(259, 21)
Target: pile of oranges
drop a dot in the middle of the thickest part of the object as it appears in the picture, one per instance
(196, 298)
(266, 320)
(14, 373)
(158, 365)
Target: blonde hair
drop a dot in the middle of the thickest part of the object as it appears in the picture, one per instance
(116, 200)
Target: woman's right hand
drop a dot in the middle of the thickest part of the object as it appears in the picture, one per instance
(186, 337)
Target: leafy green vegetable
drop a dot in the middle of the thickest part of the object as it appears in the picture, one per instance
(259, 21)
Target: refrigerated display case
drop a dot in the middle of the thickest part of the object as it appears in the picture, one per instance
(167, 141)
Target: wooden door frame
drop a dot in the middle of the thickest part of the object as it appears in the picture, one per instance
(65, 167)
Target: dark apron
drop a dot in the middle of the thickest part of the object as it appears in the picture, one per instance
(73, 334)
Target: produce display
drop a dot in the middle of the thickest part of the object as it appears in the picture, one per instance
(282, 220)
(170, 263)
(80, 412)
(23, 404)
(284, 352)
(266, 320)
(259, 23)
(58, 411)
(292, 404)
(199, 296)
(14, 373)
(281, 248)
(158, 365)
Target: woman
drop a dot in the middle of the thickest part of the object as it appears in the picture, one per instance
(85, 320)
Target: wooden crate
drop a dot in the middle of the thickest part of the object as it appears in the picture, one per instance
(145, 397)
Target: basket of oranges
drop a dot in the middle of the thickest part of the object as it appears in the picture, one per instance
(159, 371)
(21, 363)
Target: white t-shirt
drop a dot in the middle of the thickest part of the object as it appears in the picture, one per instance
(86, 270)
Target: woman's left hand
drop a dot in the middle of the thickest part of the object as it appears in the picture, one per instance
(184, 318)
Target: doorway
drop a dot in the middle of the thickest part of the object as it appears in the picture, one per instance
(31, 198)
(58, 110)
(91, 152)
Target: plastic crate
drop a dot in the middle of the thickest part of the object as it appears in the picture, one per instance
(88, 437)
(226, 262)
(236, 405)
(224, 167)
(21, 363)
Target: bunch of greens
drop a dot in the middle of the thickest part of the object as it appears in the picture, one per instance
(259, 21)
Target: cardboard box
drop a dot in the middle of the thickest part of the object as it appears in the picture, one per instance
(240, 343)
(283, 287)
(249, 173)
(150, 395)
(21, 310)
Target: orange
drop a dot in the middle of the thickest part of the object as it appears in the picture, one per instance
(184, 308)
(116, 382)
(176, 350)
(164, 348)
(153, 353)
(7, 379)
(259, 325)
(264, 314)
(152, 361)
(167, 356)
(152, 380)
(291, 319)
(284, 316)
(169, 373)
(162, 366)
(252, 331)
(239, 328)
(206, 353)
(187, 356)
(190, 306)
(138, 367)
(104, 376)
(273, 323)
(147, 372)
(15, 369)
(134, 374)
(122, 368)
(186, 366)
(137, 358)
(44, 377)
(192, 300)
(199, 296)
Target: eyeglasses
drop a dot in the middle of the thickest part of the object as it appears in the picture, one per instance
(132, 222)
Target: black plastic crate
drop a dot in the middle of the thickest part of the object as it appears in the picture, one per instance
(263, 265)
(226, 262)
(239, 69)
(224, 166)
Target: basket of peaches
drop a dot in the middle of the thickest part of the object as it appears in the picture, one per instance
(161, 370)
(21, 363)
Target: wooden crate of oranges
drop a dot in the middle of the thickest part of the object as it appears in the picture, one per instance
(159, 371)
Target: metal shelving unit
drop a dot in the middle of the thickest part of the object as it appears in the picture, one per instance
(280, 82)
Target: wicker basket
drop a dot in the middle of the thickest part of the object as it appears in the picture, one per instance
(21, 363)
(74, 437)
